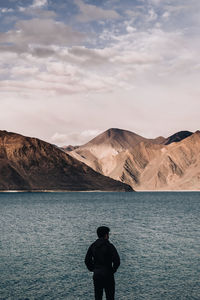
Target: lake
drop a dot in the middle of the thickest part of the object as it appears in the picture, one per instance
(44, 238)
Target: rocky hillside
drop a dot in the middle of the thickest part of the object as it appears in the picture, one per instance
(31, 164)
(146, 164)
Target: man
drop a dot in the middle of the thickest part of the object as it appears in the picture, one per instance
(103, 260)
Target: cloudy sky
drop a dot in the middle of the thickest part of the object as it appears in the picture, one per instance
(70, 69)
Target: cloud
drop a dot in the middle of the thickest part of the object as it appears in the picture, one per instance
(166, 15)
(39, 3)
(6, 10)
(136, 58)
(155, 2)
(36, 32)
(38, 9)
(74, 138)
(39, 13)
(133, 59)
(90, 133)
(60, 139)
(93, 13)
(130, 29)
(63, 68)
(152, 15)
(83, 55)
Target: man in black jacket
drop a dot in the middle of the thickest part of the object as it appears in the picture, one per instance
(103, 260)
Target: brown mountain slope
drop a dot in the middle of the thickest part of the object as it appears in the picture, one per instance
(100, 153)
(31, 164)
(148, 165)
(174, 167)
(130, 164)
(179, 168)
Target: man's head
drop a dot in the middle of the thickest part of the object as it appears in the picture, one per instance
(103, 232)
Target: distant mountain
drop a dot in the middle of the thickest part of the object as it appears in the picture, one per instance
(145, 164)
(100, 151)
(177, 137)
(175, 167)
(120, 139)
(116, 138)
(31, 164)
(69, 148)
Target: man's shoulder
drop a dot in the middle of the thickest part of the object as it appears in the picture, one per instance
(109, 243)
(111, 246)
(91, 245)
(100, 242)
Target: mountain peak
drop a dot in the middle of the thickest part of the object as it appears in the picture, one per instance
(116, 137)
(113, 131)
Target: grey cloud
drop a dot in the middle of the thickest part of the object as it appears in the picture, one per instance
(40, 12)
(37, 11)
(46, 13)
(93, 13)
(43, 52)
(36, 31)
(89, 56)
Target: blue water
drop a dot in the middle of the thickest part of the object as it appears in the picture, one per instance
(44, 238)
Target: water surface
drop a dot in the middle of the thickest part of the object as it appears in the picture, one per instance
(44, 238)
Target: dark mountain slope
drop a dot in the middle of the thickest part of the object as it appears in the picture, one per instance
(177, 137)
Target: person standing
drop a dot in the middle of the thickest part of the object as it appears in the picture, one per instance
(103, 260)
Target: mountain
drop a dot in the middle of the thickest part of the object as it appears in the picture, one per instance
(31, 164)
(177, 137)
(120, 139)
(69, 148)
(146, 164)
(100, 152)
(175, 167)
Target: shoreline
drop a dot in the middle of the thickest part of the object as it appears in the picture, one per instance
(59, 191)
(95, 191)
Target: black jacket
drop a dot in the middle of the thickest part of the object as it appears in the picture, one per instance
(102, 257)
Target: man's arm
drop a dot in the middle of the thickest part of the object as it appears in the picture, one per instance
(115, 258)
(89, 260)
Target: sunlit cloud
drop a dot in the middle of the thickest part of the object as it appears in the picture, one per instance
(39, 3)
(75, 138)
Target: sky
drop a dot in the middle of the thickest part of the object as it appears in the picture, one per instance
(71, 69)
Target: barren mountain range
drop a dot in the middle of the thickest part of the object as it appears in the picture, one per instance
(31, 164)
(116, 160)
(171, 163)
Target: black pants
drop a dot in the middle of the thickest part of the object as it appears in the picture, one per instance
(107, 284)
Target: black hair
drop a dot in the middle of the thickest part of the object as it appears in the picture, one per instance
(102, 231)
